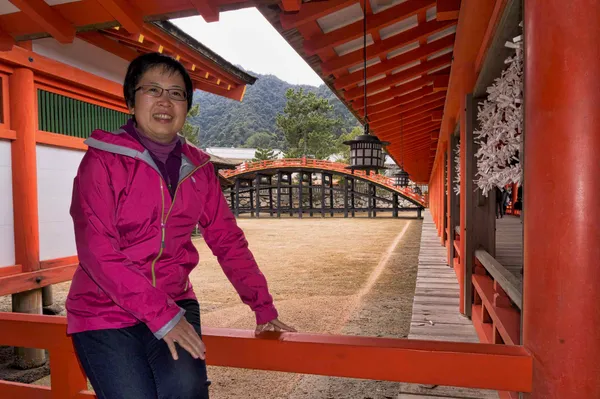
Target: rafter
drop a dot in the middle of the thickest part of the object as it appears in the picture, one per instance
(432, 100)
(208, 9)
(359, 103)
(397, 120)
(413, 131)
(48, 18)
(400, 77)
(313, 11)
(128, 15)
(437, 115)
(375, 22)
(382, 47)
(6, 41)
(447, 9)
(388, 65)
(291, 5)
(422, 119)
(112, 46)
(440, 82)
(415, 95)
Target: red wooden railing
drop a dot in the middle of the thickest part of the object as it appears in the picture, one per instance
(311, 163)
(485, 366)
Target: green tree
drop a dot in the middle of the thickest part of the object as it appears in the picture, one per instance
(260, 140)
(308, 124)
(264, 154)
(189, 131)
(344, 149)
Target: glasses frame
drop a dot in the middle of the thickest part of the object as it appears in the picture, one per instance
(161, 92)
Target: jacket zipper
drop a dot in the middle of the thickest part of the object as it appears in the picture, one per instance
(163, 222)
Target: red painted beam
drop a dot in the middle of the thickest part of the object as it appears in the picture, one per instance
(374, 22)
(312, 11)
(6, 41)
(128, 15)
(382, 47)
(434, 100)
(379, 108)
(208, 9)
(400, 77)
(48, 18)
(440, 82)
(291, 5)
(112, 46)
(447, 10)
(359, 103)
(387, 66)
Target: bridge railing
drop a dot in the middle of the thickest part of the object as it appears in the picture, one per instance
(423, 362)
(325, 165)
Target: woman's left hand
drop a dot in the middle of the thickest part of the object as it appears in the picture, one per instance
(274, 325)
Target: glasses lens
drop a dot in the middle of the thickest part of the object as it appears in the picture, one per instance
(177, 94)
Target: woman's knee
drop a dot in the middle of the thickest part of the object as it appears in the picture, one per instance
(187, 380)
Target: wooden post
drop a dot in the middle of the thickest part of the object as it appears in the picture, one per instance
(300, 188)
(310, 193)
(290, 193)
(374, 189)
(352, 196)
(395, 205)
(561, 290)
(251, 195)
(271, 196)
(257, 194)
(279, 176)
(237, 197)
(451, 199)
(331, 202)
(23, 99)
(322, 194)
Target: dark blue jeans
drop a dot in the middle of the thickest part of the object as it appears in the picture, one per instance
(130, 363)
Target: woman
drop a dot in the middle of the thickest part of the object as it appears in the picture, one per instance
(137, 197)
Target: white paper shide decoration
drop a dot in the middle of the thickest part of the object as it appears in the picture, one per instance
(457, 169)
(501, 125)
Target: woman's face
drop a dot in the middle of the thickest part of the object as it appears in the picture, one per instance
(160, 117)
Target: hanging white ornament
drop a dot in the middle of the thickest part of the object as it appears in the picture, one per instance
(457, 169)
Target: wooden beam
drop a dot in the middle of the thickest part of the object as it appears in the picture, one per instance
(291, 5)
(313, 11)
(208, 9)
(32, 280)
(389, 65)
(374, 22)
(437, 115)
(6, 41)
(448, 10)
(382, 47)
(236, 93)
(391, 115)
(440, 82)
(359, 103)
(415, 95)
(112, 46)
(128, 15)
(48, 18)
(400, 77)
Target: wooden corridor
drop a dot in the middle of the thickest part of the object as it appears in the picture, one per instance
(435, 313)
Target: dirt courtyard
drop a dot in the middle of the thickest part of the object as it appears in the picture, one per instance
(333, 276)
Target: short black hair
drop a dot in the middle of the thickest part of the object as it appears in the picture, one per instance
(139, 66)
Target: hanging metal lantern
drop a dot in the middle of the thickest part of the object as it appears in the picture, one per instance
(366, 153)
(402, 178)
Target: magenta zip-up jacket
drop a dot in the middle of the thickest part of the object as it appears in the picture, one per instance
(134, 243)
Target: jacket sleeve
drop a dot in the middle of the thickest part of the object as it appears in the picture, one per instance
(228, 243)
(93, 210)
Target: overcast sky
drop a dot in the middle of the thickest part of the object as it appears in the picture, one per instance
(244, 37)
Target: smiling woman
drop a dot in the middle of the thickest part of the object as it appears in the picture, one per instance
(138, 195)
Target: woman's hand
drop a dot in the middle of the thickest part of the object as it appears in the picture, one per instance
(274, 325)
(184, 334)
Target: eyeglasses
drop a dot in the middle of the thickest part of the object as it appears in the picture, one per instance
(157, 91)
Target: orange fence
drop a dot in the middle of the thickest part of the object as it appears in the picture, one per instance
(311, 163)
(486, 366)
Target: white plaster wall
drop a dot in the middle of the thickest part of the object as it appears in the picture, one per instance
(56, 169)
(7, 234)
(80, 54)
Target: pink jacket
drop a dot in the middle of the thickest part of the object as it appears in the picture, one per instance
(134, 243)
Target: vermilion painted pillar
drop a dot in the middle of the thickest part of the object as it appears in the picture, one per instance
(561, 315)
(25, 198)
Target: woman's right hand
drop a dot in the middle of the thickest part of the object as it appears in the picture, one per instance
(184, 334)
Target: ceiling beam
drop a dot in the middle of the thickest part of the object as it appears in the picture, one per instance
(441, 82)
(6, 41)
(313, 11)
(359, 103)
(112, 46)
(437, 115)
(419, 119)
(393, 115)
(208, 9)
(49, 19)
(291, 5)
(415, 95)
(374, 22)
(447, 10)
(388, 65)
(382, 47)
(416, 130)
(128, 15)
(400, 77)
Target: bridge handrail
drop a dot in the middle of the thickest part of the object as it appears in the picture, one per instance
(423, 362)
(246, 167)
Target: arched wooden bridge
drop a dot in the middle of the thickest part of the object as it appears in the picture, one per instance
(312, 189)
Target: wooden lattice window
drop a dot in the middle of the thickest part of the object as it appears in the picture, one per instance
(71, 117)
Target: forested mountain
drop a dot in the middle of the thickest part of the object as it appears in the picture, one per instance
(226, 123)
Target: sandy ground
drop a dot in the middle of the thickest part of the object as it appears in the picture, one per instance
(334, 276)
